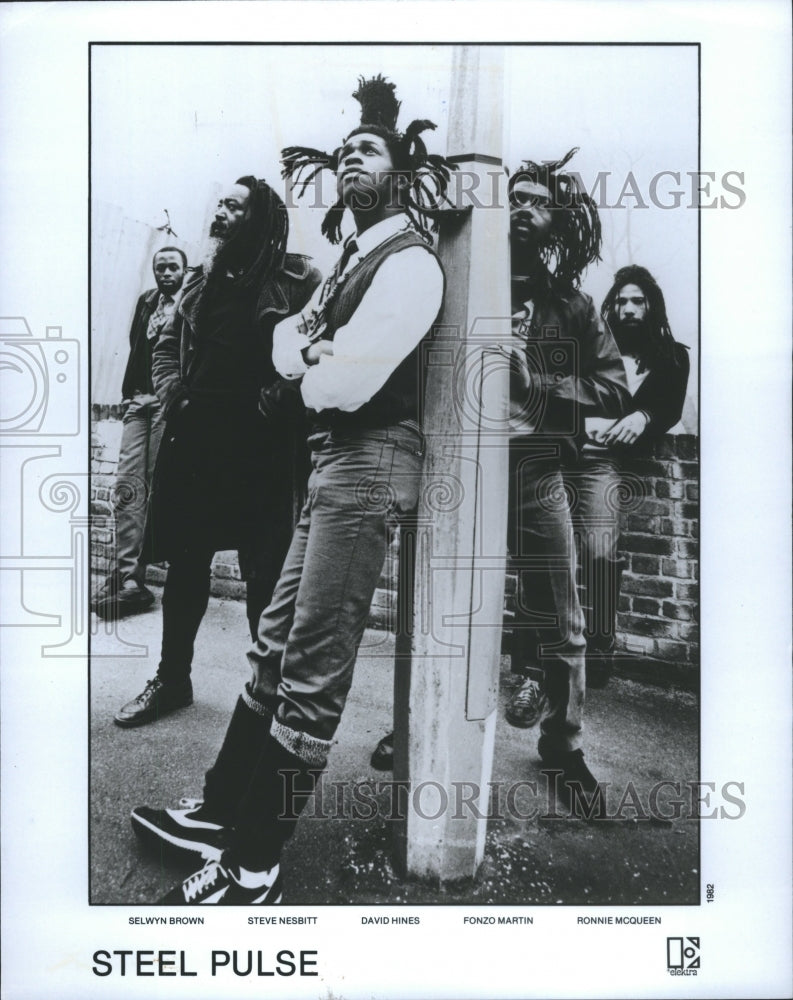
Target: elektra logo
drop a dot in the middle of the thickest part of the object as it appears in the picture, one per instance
(682, 956)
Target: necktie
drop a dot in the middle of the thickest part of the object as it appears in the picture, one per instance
(350, 248)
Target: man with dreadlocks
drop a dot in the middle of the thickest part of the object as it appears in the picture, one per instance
(357, 352)
(657, 368)
(566, 367)
(223, 478)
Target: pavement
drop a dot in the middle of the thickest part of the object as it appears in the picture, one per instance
(637, 736)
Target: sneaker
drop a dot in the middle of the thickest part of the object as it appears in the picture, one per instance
(156, 700)
(181, 833)
(382, 758)
(220, 882)
(130, 599)
(528, 706)
(574, 785)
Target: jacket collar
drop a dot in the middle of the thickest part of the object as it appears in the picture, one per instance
(273, 297)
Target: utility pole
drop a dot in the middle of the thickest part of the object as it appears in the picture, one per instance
(446, 681)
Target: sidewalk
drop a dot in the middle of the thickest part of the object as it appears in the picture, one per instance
(635, 734)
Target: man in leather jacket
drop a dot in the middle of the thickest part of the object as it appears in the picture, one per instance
(224, 475)
(566, 368)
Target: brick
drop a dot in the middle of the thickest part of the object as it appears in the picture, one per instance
(668, 649)
(653, 627)
(638, 522)
(692, 491)
(670, 489)
(99, 508)
(650, 507)
(687, 548)
(647, 544)
(688, 632)
(646, 586)
(625, 603)
(693, 529)
(677, 567)
(678, 612)
(647, 606)
(689, 511)
(234, 589)
(651, 565)
(687, 591)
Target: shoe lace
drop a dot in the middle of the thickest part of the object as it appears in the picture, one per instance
(151, 686)
(201, 880)
(529, 696)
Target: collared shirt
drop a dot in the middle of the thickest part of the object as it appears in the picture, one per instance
(164, 310)
(398, 308)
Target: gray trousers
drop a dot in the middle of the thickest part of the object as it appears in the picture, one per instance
(308, 637)
(140, 441)
(542, 544)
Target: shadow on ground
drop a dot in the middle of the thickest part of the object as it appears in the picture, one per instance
(638, 737)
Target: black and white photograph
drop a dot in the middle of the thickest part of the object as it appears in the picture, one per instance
(529, 446)
(412, 527)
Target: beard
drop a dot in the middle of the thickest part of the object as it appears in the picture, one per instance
(211, 248)
(631, 337)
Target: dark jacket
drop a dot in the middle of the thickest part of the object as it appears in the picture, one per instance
(137, 375)
(576, 367)
(225, 476)
(178, 343)
(662, 394)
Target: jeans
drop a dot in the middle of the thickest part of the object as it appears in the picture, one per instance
(542, 544)
(595, 486)
(140, 441)
(308, 637)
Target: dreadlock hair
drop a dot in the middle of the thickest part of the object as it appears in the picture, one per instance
(657, 341)
(258, 248)
(426, 175)
(575, 237)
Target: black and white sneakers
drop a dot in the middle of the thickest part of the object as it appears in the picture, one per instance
(222, 883)
(182, 833)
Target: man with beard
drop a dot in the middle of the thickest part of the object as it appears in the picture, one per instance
(358, 356)
(224, 475)
(657, 368)
(125, 591)
(566, 367)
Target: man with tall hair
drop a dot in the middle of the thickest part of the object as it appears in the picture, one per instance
(224, 476)
(657, 369)
(566, 367)
(358, 355)
(124, 592)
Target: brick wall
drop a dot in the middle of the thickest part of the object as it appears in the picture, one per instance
(658, 630)
(659, 606)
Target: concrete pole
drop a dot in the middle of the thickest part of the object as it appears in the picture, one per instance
(446, 681)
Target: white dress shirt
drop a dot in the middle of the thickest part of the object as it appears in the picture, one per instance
(396, 311)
